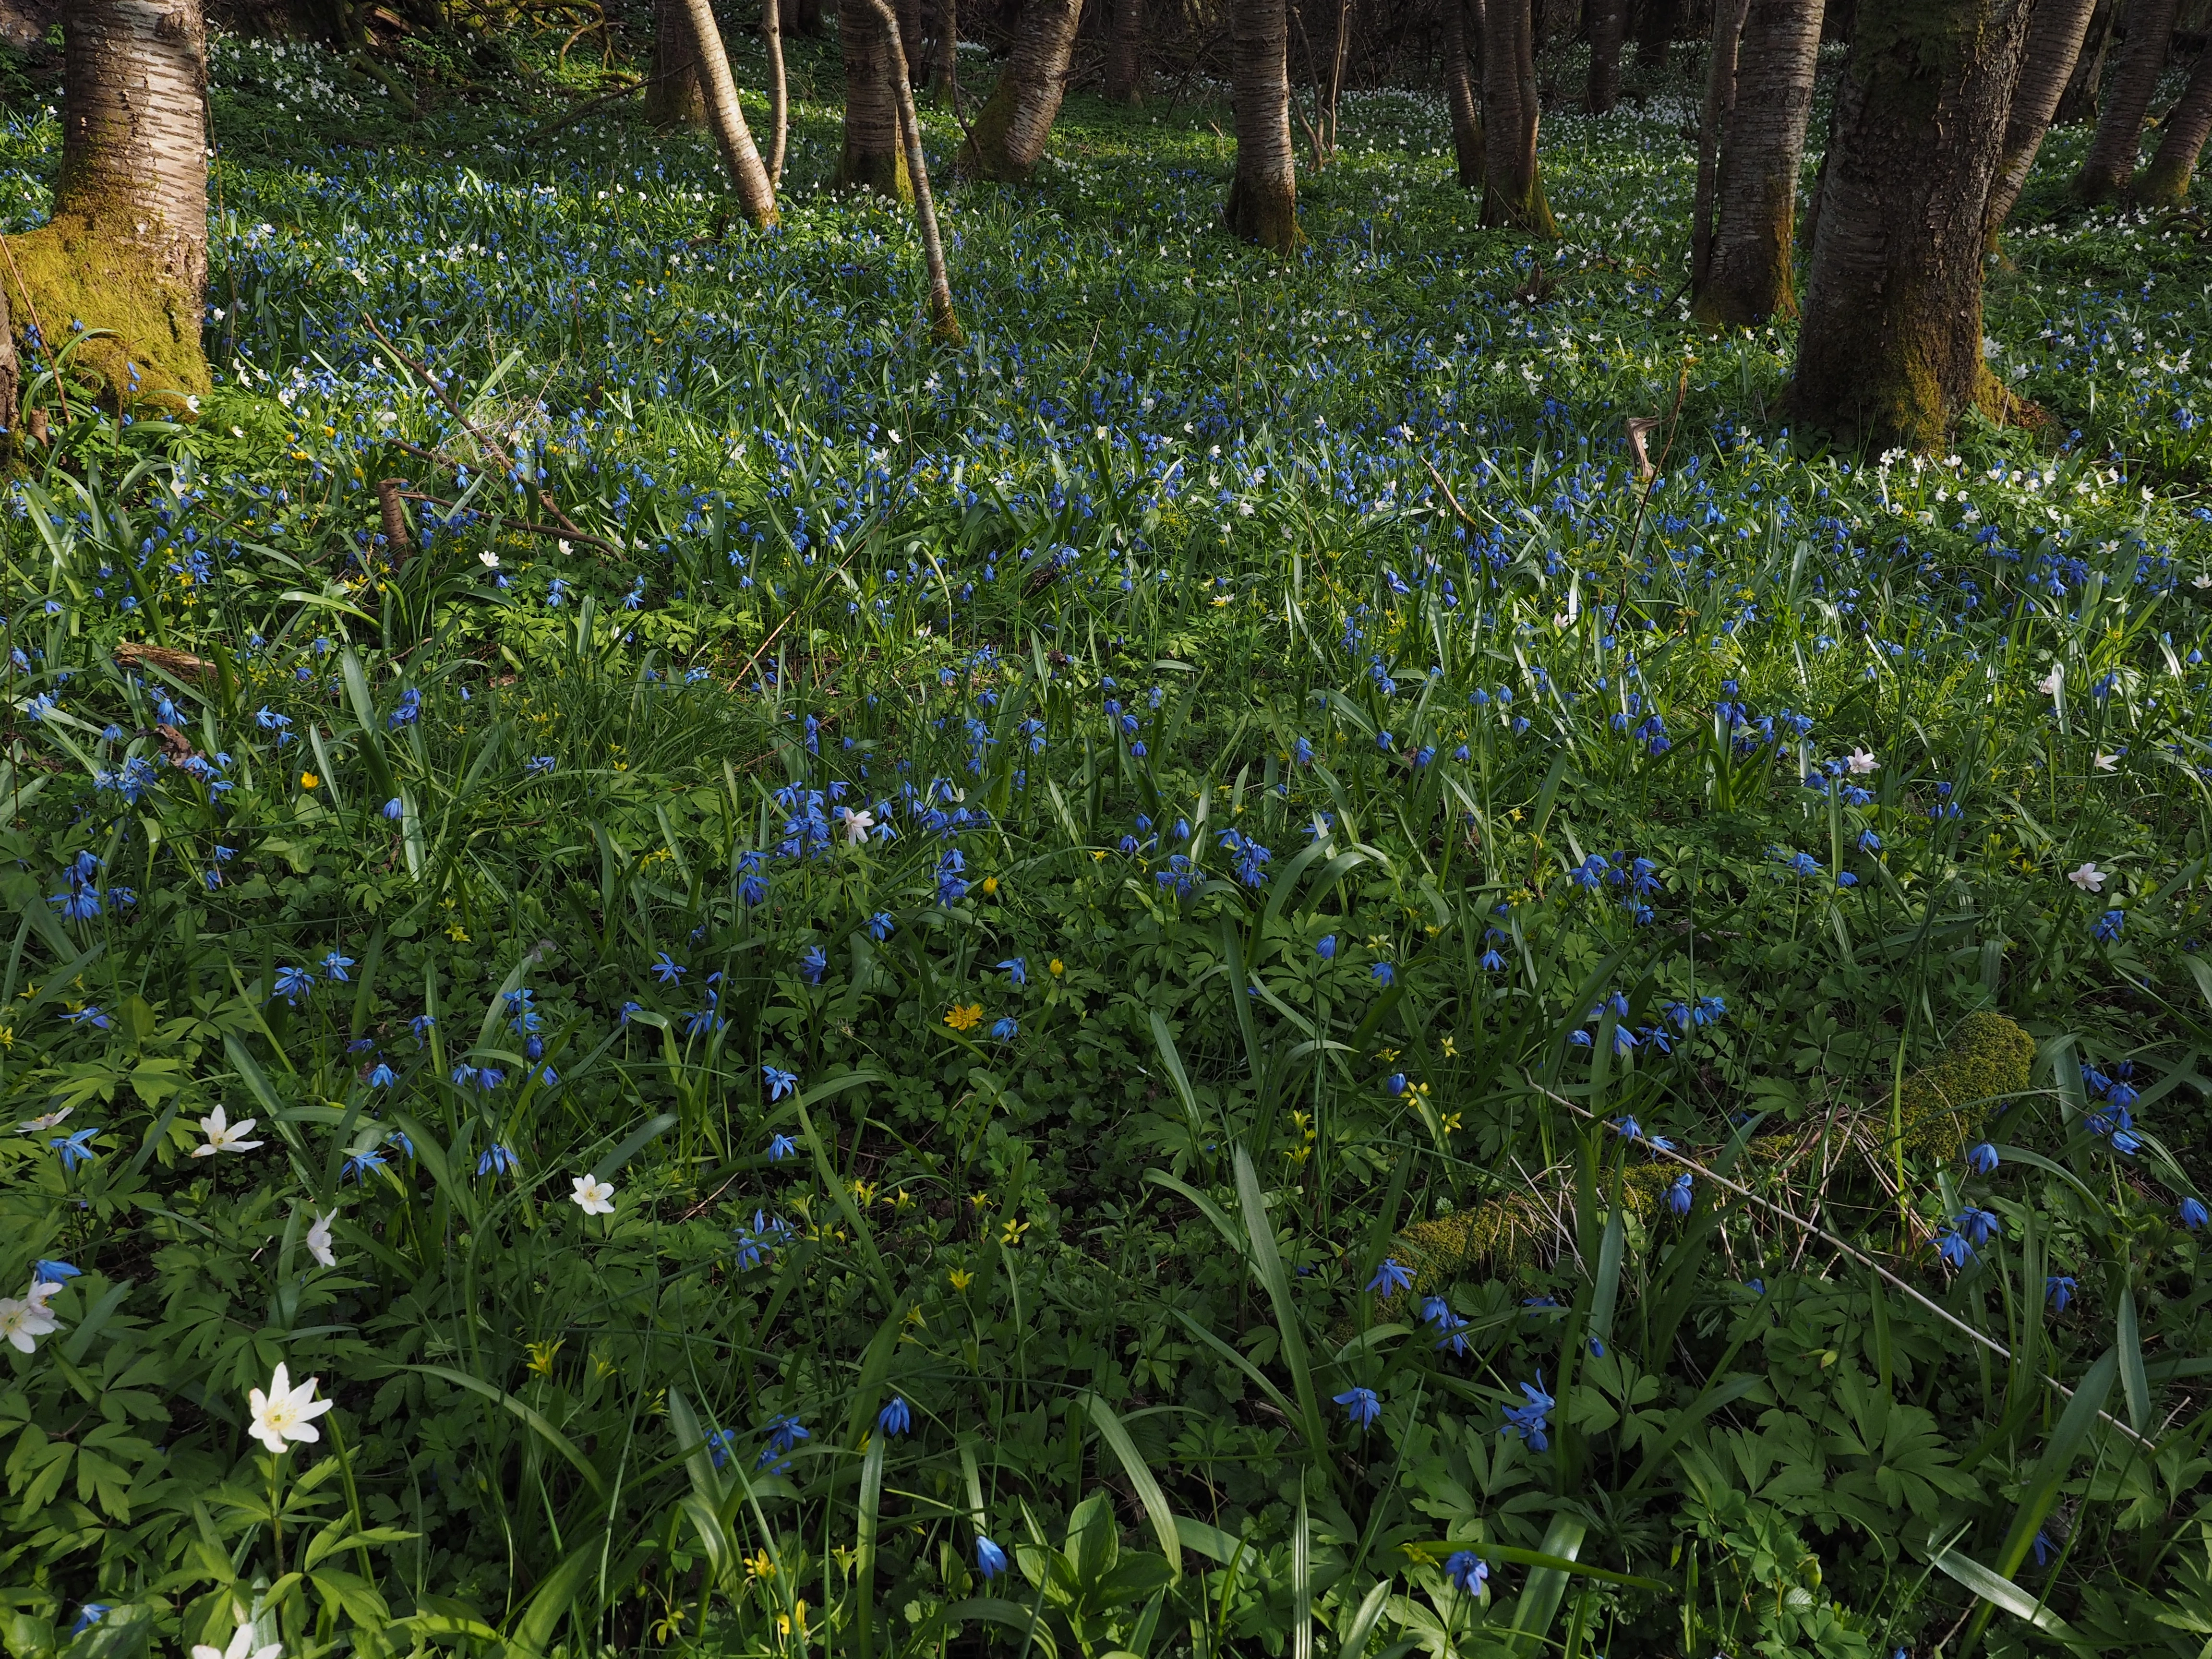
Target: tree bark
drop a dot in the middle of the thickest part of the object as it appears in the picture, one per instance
(874, 157)
(1890, 350)
(672, 93)
(1712, 120)
(1605, 19)
(1263, 198)
(1007, 140)
(1655, 32)
(748, 177)
(779, 90)
(2112, 153)
(126, 248)
(945, 75)
(1513, 192)
(943, 322)
(1459, 91)
(1749, 278)
(805, 18)
(2055, 34)
(2077, 105)
(2165, 182)
(1125, 60)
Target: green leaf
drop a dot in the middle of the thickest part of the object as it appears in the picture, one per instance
(552, 1435)
(1115, 1434)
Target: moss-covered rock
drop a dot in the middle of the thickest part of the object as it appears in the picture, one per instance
(109, 317)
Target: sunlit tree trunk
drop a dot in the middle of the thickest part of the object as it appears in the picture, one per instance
(1263, 198)
(779, 90)
(2055, 34)
(1125, 60)
(672, 93)
(944, 322)
(2112, 152)
(2165, 182)
(2078, 103)
(1513, 193)
(748, 177)
(1459, 90)
(1890, 351)
(126, 250)
(874, 157)
(1748, 278)
(1008, 138)
(1605, 19)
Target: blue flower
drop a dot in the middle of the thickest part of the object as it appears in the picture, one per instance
(2192, 1214)
(2043, 1548)
(1327, 949)
(1383, 974)
(1394, 1083)
(1006, 1029)
(2059, 1287)
(1630, 1128)
(409, 709)
(498, 1160)
(91, 1015)
(1467, 1571)
(383, 1077)
(1982, 1157)
(1437, 1312)
(990, 1560)
(1953, 1249)
(395, 809)
(1979, 1226)
(1360, 1405)
(895, 1418)
(780, 1082)
(75, 1149)
(361, 1163)
(293, 983)
(1018, 969)
(1678, 1196)
(90, 1614)
(2106, 927)
(780, 1147)
(880, 926)
(1531, 1421)
(784, 1433)
(53, 1272)
(813, 963)
(538, 766)
(1391, 1277)
(336, 965)
(666, 970)
(719, 1444)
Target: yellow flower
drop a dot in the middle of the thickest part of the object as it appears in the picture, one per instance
(960, 1279)
(1386, 1055)
(1450, 1121)
(1057, 966)
(762, 1565)
(1011, 1232)
(864, 1191)
(541, 1355)
(964, 1018)
(902, 1201)
(1451, 1049)
(308, 780)
(458, 934)
(1098, 857)
(990, 886)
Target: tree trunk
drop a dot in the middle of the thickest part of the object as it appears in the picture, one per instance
(873, 158)
(2077, 105)
(779, 90)
(1712, 120)
(2112, 162)
(1459, 91)
(756, 196)
(1655, 32)
(1748, 279)
(1513, 193)
(1007, 140)
(805, 18)
(126, 248)
(1125, 61)
(1263, 198)
(1890, 351)
(945, 75)
(944, 322)
(2165, 182)
(910, 22)
(672, 93)
(1603, 90)
(2055, 34)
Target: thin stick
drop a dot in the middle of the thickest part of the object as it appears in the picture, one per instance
(506, 523)
(779, 92)
(53, 363)
(1853, 1251)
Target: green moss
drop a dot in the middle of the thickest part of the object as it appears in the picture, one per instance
(1940, 1109)
(114, 321)
(884, 174)
(1269, 217)
(983, 155)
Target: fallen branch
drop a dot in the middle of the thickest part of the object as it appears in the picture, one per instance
(507, 522)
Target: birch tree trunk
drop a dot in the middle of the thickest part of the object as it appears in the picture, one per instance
(2054, 35)
(943, 322)
(1605, 19)
(874, 157)
(1007, 140)
(2165, 182)
(1263, 197)
(1890, 351)
(126, 248)
(2078, 103)
(1748, 278)
(779, 90)
(748, 177)
(1125, 58)
(672, 93)
(1513, 193)
(1459, 91)
(2112, 153)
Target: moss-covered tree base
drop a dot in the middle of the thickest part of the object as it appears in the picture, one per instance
(984, 154)
(1525, 212)
(110, 320)
(885, 175)
(1265, 215)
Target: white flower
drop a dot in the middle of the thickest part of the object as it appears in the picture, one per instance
(593, 1195)
(24, 1321)
(2050, 682)
(319, 1240)
(2104, 763)
(2200, 580)
(37, 1125)
(1860, 761)
(2090, 878)
(857, 824)
(285, 1414)
(241, 1647)
(223, 1136)
(488, 559)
